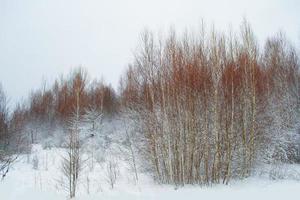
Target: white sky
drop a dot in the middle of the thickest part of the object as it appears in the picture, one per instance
(40, 39)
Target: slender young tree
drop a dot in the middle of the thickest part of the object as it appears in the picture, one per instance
(72, 163)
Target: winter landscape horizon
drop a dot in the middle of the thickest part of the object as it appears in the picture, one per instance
(149, 100)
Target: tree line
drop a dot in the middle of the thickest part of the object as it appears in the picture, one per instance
(207, 107)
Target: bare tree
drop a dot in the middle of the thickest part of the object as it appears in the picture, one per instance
(93, 121)
(72, 163)
(130, 142)
(112, 172)
(7, 156)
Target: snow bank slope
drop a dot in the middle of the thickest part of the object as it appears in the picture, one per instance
(28, 180)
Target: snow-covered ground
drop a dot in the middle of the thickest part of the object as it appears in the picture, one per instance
(30, 179)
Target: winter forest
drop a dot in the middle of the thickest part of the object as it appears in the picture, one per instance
(195, 109)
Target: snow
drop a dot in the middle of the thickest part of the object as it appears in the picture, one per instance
(29, 181)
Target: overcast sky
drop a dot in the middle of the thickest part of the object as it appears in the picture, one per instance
(41, 39)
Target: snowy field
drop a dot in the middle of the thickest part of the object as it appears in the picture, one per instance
(30, 179)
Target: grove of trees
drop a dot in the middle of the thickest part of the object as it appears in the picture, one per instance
(203, 108)
(212, 107)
